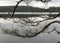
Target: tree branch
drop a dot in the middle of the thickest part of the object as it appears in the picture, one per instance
(35, 34)
(47, 27)
(16, 7)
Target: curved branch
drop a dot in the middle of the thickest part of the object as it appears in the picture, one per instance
(16, 7)
(35, 34)
(45, 20)
(37, 22)
(47, 27)
(33, 22)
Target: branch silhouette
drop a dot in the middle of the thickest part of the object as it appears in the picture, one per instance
(37, 23)
(16, 7)
(35, 34)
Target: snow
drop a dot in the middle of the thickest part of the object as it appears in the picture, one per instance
(41, 38)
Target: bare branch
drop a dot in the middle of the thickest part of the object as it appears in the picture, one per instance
(45, 20)
(16, 7)
(47, 27)
(35, 34)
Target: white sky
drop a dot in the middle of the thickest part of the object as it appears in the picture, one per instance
(53, 3)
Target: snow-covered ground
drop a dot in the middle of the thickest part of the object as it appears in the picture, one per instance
(9, 24)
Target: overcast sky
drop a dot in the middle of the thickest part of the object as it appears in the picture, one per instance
(55, 3)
